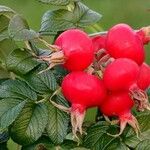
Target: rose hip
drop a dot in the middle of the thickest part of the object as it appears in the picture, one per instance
(123, 42)
(83, 91)
(119, 104)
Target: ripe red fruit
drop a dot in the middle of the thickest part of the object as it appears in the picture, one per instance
(99, 42)
(121, 74)
(123, 42)
(143, 81)
(83, 91)
(77, 48)
(119, 104)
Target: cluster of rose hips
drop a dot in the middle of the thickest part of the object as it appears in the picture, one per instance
(106, 71)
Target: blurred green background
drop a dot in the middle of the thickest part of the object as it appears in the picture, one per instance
(133, 12)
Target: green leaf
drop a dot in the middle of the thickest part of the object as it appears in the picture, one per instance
(4, 74)
(3, 146)
(46, 144)
(56, 2)
(43, 83)
(131, 139)
(17, 89)
(118, 145)
(4, 35)
(4, 22)
(19, 30)
(21, 61)
(9, 111)
(43, 143)
(60, 72)
(39, 51)
(30, 124)
(4, 136)
(6, 11)
(62, 19)
(85, 16)
(144, 145)
(3, 80)
(58, 121)
(56, 20)
(6, 47)
(98, 139)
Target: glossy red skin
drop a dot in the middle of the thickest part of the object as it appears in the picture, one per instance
(99, 42)
(83, 89)
(143, 81)
(123, 42)
(77, 48)
(121, 74)
(117, 104)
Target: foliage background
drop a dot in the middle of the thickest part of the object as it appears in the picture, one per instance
(133, 12)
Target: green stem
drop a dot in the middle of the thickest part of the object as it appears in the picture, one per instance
(102, 33)
(98, 33)
(46, 98)
(41, 101)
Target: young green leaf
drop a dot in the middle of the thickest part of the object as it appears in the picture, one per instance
(17, 89)
(19, 30)
(30, 124)
(9, 111)
(21, 61)
(58, 121)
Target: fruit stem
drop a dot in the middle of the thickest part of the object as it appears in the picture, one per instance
(63, 108)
